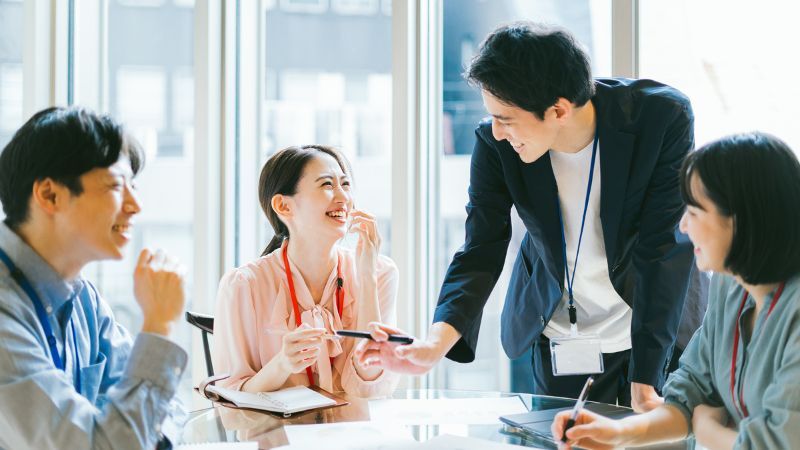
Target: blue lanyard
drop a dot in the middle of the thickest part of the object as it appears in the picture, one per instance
(23, 282)
(573, 316)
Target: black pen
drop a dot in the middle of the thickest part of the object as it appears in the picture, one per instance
(363, 334)
(578, 406)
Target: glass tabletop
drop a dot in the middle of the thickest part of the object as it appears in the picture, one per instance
(221, 424)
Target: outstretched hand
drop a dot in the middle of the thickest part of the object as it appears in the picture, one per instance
(415, 359)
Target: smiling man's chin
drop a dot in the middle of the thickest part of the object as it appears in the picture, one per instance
(530, 154)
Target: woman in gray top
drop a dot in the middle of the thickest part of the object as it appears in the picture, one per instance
(738, 385)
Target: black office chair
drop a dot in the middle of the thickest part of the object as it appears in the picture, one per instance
(206, 325)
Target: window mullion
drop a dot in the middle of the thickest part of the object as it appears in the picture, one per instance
(625, 38)
(208, 167)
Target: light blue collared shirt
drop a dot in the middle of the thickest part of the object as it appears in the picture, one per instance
(127, 389)
(769, 361)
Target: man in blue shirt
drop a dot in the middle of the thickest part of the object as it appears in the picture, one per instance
(70, 375)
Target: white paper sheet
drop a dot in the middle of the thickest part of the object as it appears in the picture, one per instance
(219, 446)
(350, 436)
(400, 445)
(450, 442)
(443, 442)
(465, 411)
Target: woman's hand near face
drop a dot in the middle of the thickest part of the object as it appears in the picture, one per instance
(369, 243)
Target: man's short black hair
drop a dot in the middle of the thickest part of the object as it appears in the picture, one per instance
(531, 66)
(61, 144)
(755, 179)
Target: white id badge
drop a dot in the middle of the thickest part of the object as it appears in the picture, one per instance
(576, 355)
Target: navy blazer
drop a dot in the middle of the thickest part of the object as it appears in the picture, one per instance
(645, 130)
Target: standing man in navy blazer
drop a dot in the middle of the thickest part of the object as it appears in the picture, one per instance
(536, 154)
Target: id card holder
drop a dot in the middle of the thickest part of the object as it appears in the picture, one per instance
(576, 354)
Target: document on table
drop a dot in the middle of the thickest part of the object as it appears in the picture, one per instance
(443, 442)
(450, 442)
(465, 411)
(219, 446)
(350, 436)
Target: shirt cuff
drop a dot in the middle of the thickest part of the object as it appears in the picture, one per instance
(158, 360)
(649, 362)
(174, 423)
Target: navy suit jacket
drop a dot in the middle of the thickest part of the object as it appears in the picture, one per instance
(645, 130)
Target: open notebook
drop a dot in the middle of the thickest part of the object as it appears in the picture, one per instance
(286, 401)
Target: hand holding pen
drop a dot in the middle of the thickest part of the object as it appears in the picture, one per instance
(402, 339)
(282, 332)
(340, 334)
(393, 349)
(299, 347)
(578, 407)
(582, 428)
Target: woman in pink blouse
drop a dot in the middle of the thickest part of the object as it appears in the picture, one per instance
(273, 326)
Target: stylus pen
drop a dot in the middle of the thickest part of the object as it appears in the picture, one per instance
(363, 334)
(281, 332)
(578, 407)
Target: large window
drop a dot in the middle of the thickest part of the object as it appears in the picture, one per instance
(325, 78)
(11, 46)
(466, 23)
(142, 75)
(11, 33)
(734, 61)
(274, 73)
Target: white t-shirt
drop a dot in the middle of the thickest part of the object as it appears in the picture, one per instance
(600, 309)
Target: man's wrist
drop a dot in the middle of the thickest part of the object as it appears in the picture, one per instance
(157, 327)
(644, 389)
(443, 336)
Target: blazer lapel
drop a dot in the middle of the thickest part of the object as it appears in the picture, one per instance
(616, 152)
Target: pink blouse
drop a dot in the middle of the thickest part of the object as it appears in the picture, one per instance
(254, 307)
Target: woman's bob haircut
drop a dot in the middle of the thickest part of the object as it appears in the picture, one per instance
(753, 178)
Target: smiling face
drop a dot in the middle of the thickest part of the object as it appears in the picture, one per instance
(710, 232)
(322, 202)
(99, 220)
(529, 136)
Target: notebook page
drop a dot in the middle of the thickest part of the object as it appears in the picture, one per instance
(245, 399)
(297, 398)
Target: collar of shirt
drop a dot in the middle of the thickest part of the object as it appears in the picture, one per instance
(304, 298)
(53, 290)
